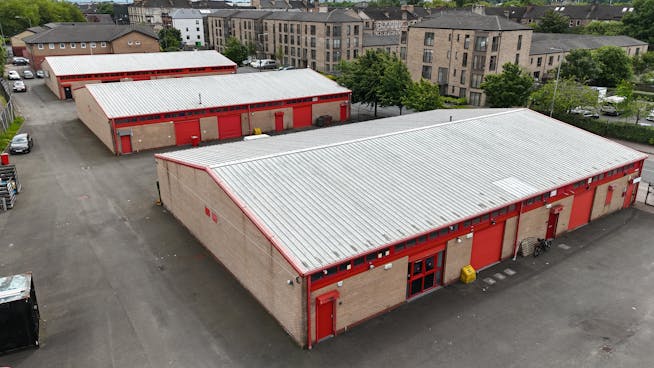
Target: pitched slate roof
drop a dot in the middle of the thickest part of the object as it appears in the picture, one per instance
(85, 32)
(594, 12)
(544, 43)
(515, 13)
(472, 21)
(334, 16)
(370, 40)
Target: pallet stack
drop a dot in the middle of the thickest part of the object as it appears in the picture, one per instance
(9, 186)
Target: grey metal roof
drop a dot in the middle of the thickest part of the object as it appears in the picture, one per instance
(326, 199)
(468, 20)
(370, 40)
(86, 32)
(181, 94)
(114, 63)
(548, 43)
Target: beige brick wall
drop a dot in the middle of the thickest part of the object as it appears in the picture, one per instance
(236, 242)
(209, 128)
(266, 119)
(456, 257)
(533, 223)
(328, 108)
(599, 209)
(365, 294)
(508, 243)
(149, 136)
(122, 45)
(92, 115)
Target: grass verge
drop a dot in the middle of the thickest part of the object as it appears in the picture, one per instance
(5, 137)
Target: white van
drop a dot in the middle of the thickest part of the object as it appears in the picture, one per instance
(264, 64)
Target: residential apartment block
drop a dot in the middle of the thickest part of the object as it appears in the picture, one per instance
(548, 50)
(315, 40)
(456, 50)
(90, 39)
(387, 21)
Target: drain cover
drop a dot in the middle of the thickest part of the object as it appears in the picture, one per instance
(509, 272)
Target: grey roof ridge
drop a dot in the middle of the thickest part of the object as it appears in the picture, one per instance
(315, 148)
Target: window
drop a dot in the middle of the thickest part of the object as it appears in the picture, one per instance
(517, 59)
(188, 37)
(62, 45)
(197, 21)
(536, 75)
(337, 31)
(442, 75)
(103, 44)
(493, 63)
(462, 93)
(480, 43)
(466, 42)
(73, 45)
(403, 53)
(197, 29)
(550, 60)
(464, 62)
(476, 80)
(313, 41)
(478, 62)
(92, 45)
(313, 30)
(519, 42)
(82, 45)
(426, 71)
(475, 98)
(427, 56)
(463, 77)
(137, 43)
(495, 44)
(539, 61)
(337, 43)
(40, 46)
(403, 38)
(429, 39)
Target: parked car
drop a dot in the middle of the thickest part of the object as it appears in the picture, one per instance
(27, 74)
(19, 86)
(13, 75)
(248, 61)
(264, 64)
(40, 74)
(287, 67)
(20, 61)
(650, 117)
(21, 143)
(609, 110)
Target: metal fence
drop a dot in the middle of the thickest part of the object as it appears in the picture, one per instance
(7, 113)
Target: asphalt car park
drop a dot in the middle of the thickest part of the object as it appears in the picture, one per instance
(121, 283)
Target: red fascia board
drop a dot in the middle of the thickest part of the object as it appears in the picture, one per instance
(185, 70)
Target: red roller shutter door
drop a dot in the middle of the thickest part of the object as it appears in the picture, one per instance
(302, 116)
(581, 206)
(229, 126)
(184, 130)
(487, 246)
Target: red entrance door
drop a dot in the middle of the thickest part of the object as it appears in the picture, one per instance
(279, 121)
(552, 221)
(126, 144)
(425, 271)
(628, 194)
(326, 315)
(229, 126)
(343, 112)
(581, 206)
(184, 130)
(302, 116)
(487, 246)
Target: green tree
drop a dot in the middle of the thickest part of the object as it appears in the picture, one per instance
(579, 65)
(105, 8)
(638, 23)
(602, 28)
(279, 55)
(509, 88)
(643, 63)
(395, 83)
(170, 39)
(235, 50)
(363, 76)
(569, 94)
(553, 22)
(17, 15)
(614, 65)
(423, 96)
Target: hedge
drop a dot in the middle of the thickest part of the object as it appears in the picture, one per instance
(626, 131)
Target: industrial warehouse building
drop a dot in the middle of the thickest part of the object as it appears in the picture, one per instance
(329, 227)
(64, 74)
(135, 116)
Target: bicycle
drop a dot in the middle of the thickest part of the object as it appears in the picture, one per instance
(542, 246)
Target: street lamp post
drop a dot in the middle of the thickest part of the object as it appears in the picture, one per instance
(556, 84)
(28, 19)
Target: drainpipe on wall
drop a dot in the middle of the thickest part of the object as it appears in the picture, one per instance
(113, 136)
(517, 231)
(308, 284)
